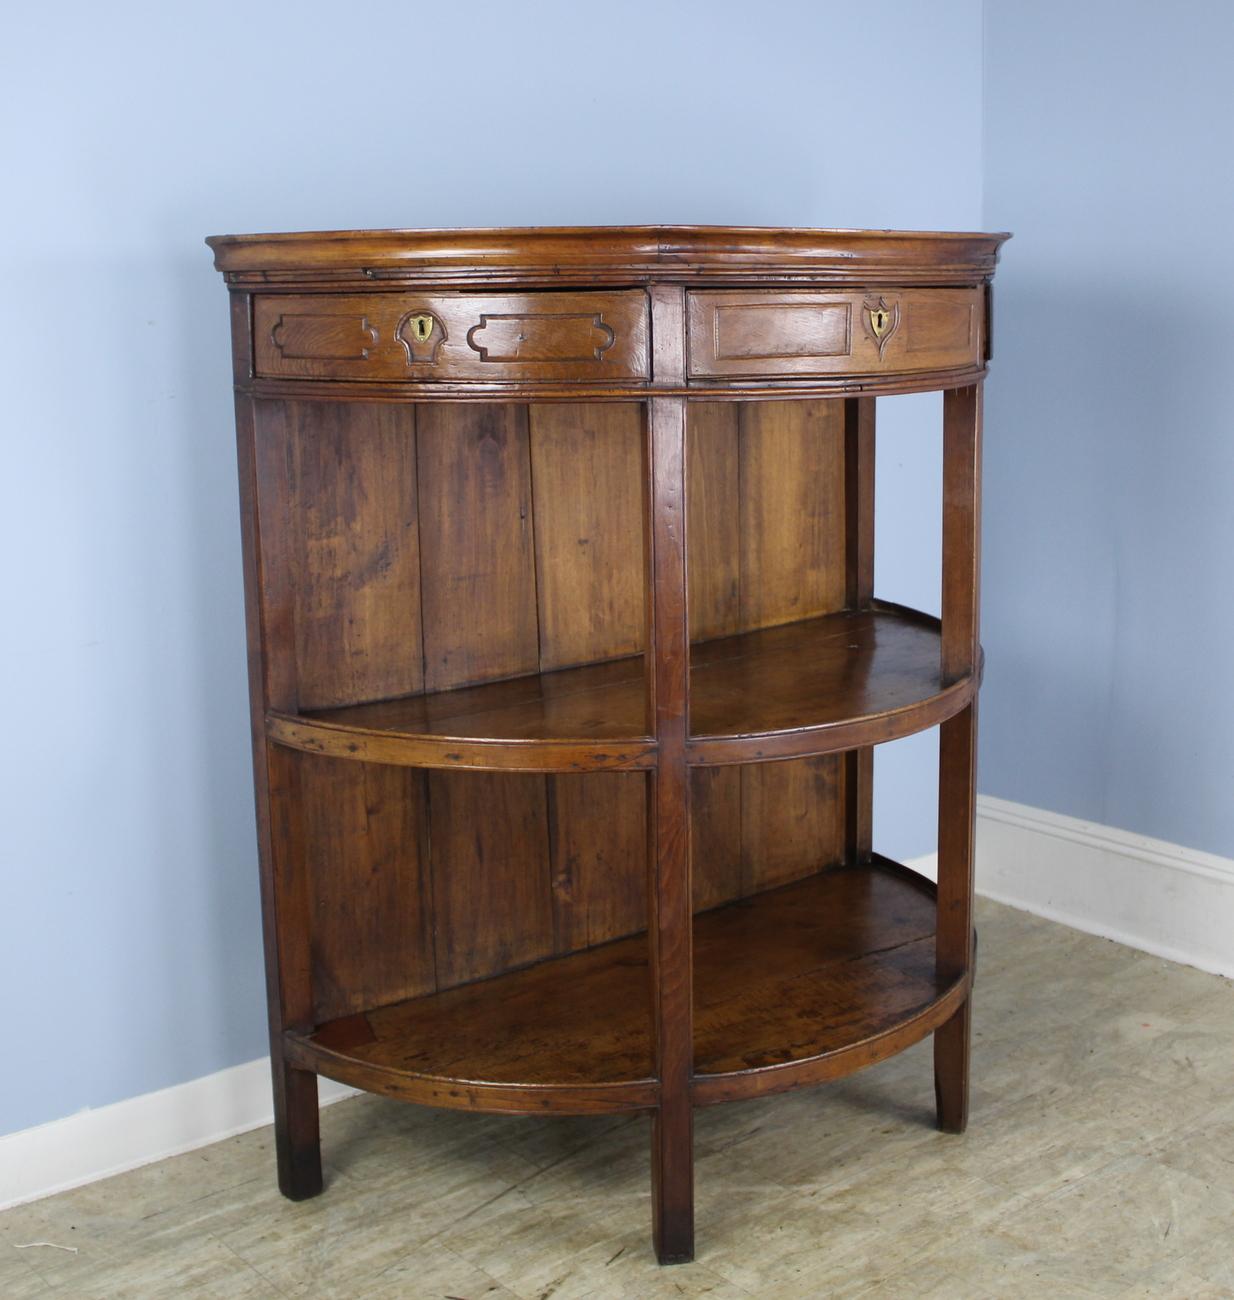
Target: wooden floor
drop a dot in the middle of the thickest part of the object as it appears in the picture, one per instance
(1100, 1162)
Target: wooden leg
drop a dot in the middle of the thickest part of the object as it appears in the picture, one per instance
(951, 1071)
(297, 1135)
(672, 1181)
(957, 755)
(672, 1126)
(957, 749)
(671, 920)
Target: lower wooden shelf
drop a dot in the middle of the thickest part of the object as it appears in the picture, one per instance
(802, 983)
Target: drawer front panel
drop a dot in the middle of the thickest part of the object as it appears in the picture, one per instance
(772, 333)
(495, 338)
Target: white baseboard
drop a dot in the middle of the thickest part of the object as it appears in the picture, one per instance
(93, 1144)
(1174, 902)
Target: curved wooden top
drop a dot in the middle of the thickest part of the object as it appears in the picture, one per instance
(600, 254)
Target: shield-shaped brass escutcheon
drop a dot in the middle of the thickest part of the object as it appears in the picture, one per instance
(880, 320)
(421, 327)
(882, 317)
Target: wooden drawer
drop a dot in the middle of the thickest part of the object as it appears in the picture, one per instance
(548, 337)
(770, 333)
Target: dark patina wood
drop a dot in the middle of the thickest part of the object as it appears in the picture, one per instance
(566, 666)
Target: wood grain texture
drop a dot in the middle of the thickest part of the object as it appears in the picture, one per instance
(356, 561)
(821, 673)
(476, 541)
(606, 254)
(715, 836)
(476, 393)
(439, 575)
(670, 933)
(859, 454)
(825, 684)
(587, 469)
(270, 642)
(792, 511)
(266, 502)
(559, 337)
(792, 820)
(804, 332)
(957, 747)
(489, 837)
(713, 519)
(598, 851)
(369, 885)
(791, 983)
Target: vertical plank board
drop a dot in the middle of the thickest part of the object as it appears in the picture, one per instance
(712, 519)
(490, 867)
(792, 820)
(715, 836)
(357, 566)
(476, 537)
(587, 471)
(366, 838)
(792, 511)
(598, 844)
(266, 471)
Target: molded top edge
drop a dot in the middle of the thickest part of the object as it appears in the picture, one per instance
(548, 248)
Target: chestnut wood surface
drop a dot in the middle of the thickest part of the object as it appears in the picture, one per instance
(803, 332)
(451, 337)
(566, 666)
(815, 687)
(604, 255)
(788, 982)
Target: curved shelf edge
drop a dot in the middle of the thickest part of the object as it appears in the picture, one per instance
(783, 1076)
(465, 1094)
(839, 734)
(712, 1089)
(613, 973)
(834, 737)
(313, 736)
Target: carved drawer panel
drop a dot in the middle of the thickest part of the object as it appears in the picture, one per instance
(772, 333)
(546, 337)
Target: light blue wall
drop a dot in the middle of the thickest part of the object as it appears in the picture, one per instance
(1109, 539)
(129, 951)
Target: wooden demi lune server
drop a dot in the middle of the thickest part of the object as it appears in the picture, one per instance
(567, 668)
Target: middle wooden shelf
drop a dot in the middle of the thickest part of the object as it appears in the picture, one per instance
(818, 686)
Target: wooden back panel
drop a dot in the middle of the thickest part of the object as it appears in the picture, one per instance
(766, 546)
(418, 881)
(441, 545)
(427, 547)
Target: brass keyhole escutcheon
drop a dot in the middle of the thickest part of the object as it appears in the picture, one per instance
(421, 328)
(883, 318)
